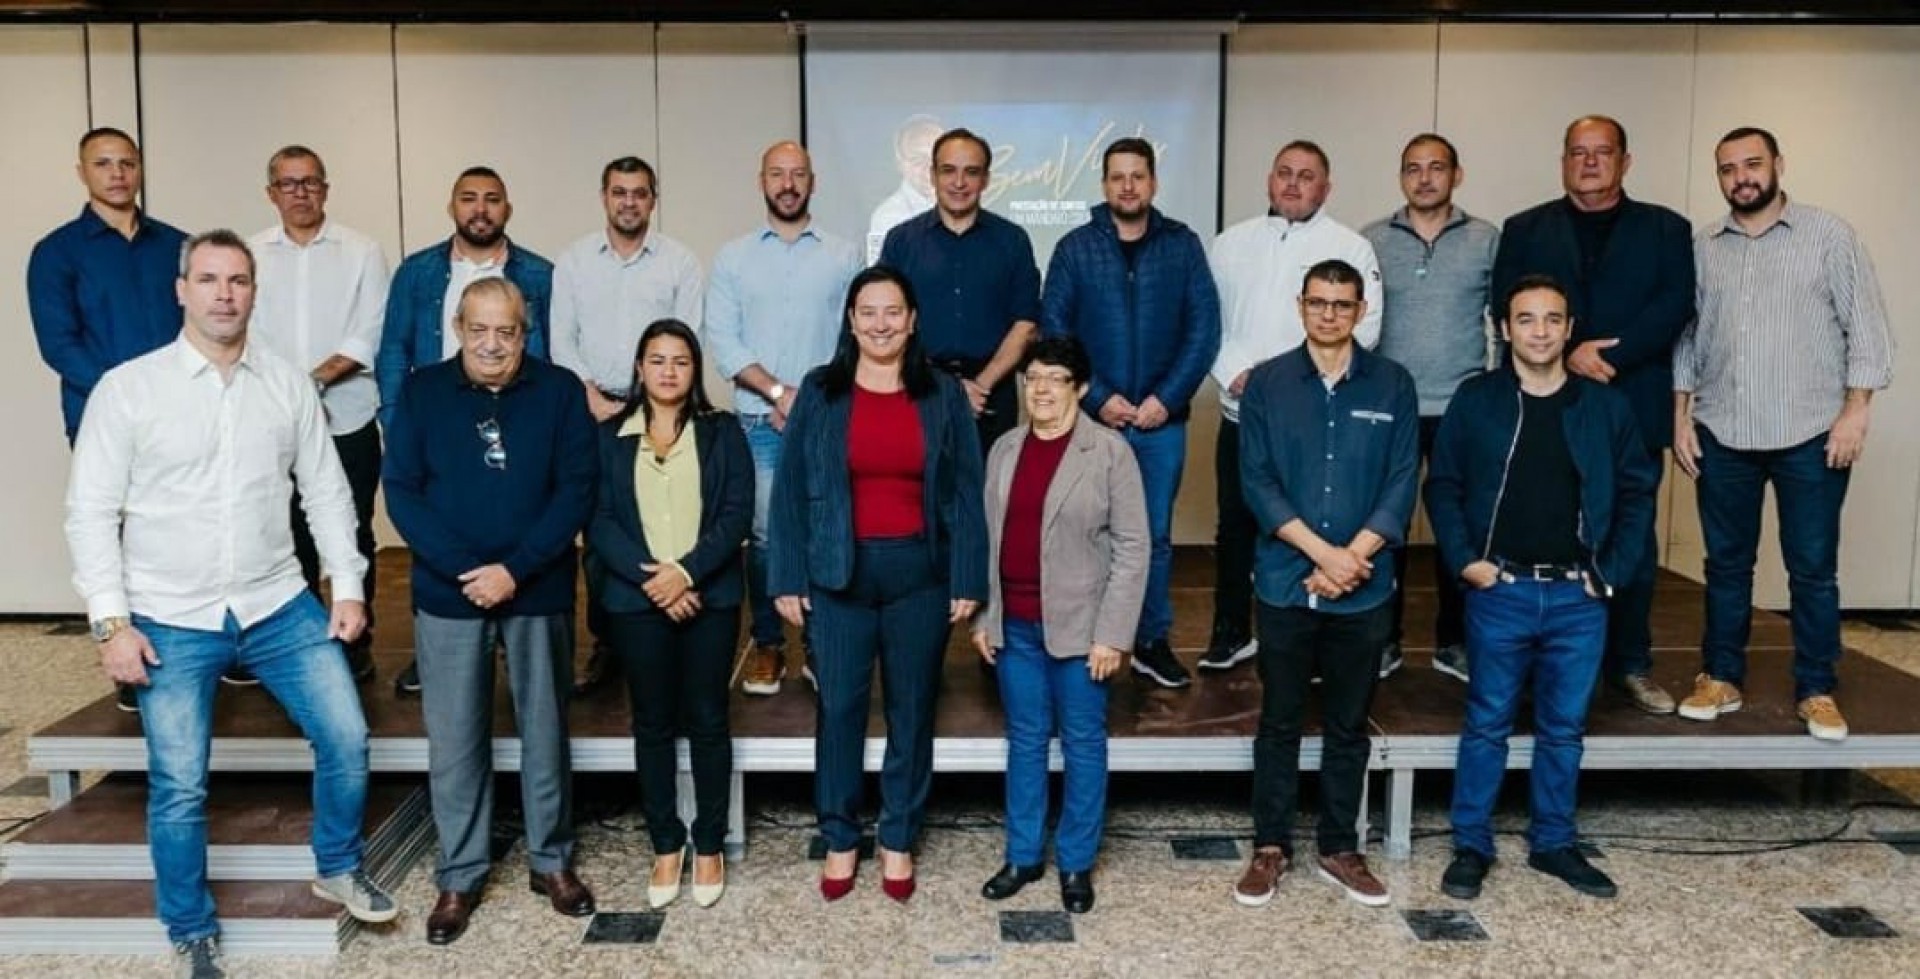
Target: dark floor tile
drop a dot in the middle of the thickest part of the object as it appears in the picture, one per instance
(1906, 841)
(26, 785)
(624, 928)
(1445, 925)
(1205, 848)
(1849, 922)
(817, 847)
(1026, 927)
(80, 628)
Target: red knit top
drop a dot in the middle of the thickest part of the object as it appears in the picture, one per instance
(886, 458)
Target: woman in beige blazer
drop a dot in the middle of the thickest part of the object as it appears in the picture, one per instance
(1067, 525)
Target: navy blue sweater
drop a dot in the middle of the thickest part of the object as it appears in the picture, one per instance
(1152, 328)
(458, 513)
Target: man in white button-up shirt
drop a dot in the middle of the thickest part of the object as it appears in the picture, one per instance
(320, 302)
(607, 288)
(177, 523)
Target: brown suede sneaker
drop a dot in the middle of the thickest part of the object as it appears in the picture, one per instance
(1264, 871)
(1710, 698)
(766, 667)
(1823, 718)
(1348, 871)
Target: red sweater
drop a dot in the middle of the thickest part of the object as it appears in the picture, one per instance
(1026, 512)
(886, 458)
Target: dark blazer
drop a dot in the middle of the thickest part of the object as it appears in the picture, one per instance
(726, 514)
(1641, 292)
(810, 520)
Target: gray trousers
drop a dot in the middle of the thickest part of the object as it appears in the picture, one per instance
(456, 692)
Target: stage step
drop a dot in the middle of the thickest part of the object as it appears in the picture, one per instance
(258, 828)
(80, 880)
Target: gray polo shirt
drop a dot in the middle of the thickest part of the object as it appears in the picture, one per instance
(1435, 323)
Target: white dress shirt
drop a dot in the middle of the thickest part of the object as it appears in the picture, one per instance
(461, 274)
(177, 502)
(602, 303)
(1258, 266)
(323, 298)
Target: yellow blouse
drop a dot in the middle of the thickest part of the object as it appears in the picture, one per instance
(666, 491)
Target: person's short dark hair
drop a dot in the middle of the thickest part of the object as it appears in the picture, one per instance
(1064, 352)
(1748, 132)
(1128, 144)
(1335, 272)
(966, 134)
(630, 164)
(487, 172)
(295, 151)
(1309, 146)
(1453, 155)
(1618, 130)
(1530, 283)
(106, 132)
(217, 238)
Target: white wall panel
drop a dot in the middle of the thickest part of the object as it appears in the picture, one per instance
(546, 105)
(43, 111)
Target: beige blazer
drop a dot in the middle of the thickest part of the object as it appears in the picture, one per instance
(1093, 541)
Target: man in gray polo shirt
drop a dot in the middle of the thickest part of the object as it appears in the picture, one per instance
(1436, 266)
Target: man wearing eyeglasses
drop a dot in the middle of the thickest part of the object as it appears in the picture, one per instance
(321, 301)
(490, 471)
(1627, 268)
(1258, 264)
(1329, 461)
(607, 287)
(426, 291)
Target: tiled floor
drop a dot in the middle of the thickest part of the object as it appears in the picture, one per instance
(1717, 872)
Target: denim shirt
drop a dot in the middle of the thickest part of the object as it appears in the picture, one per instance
(1339, 459)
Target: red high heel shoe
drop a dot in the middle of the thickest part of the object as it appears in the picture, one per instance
(835, 888)
(900, 889)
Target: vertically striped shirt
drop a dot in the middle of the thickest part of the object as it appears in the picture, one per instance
(1790, 319)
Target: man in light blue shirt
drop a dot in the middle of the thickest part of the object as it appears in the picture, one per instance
(772, 315)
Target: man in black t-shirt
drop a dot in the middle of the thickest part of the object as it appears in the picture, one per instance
(1540, 493)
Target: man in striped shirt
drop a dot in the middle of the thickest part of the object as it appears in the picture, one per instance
(1772, 384)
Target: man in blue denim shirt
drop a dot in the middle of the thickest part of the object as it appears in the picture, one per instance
(1329, 464)
(1540, 492)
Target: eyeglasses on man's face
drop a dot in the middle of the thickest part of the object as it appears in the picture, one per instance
(290, 185)
(1341, 307)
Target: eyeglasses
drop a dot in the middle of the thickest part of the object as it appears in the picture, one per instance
(496, 454)
(312, 185)
(1037, 379)
(1341, 307)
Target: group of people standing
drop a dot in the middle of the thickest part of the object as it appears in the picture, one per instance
(877, 471)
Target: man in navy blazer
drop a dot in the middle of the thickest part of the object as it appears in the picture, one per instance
(1628, 270)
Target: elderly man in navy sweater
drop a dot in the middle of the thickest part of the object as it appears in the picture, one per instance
(1134, 286)
(490, 471)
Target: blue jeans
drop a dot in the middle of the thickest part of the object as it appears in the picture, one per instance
(1732, 489)
(1162, 454)
(1557, 632)
(763, 442)
(307, 673)
(1040, 693)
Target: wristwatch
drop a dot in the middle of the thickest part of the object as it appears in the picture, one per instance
(107, 628)
(775, 393)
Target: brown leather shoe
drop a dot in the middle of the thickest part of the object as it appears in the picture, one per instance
(564, 891)
(766, 666)
(448, 920)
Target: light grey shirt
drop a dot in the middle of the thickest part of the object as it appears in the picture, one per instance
(1789, 320)
(777, 304)
(602, 303)
(1435, 321)
(326, 297)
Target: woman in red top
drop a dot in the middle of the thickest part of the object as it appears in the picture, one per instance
(876, 530)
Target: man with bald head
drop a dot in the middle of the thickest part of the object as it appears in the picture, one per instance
(773, 313)
(1627, 267)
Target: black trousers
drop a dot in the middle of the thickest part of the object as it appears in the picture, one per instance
(1234, 536)
(677, 675)
(1295, 644)
(1450, 629)
(359, 452)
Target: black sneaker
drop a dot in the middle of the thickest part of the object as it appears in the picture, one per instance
(1571, 866)
(1390, 659)
(407, 684)
(1464, 874)
(1452, 660)
(1155, 661)
(1228, 648)
(126, 697)
(239, 676)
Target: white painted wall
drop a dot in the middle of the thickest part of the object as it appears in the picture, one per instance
(397, 112)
